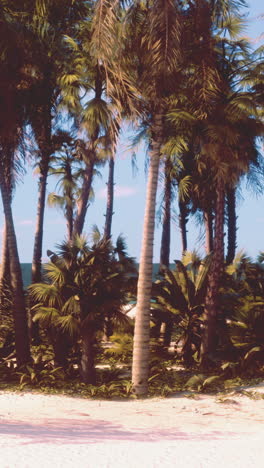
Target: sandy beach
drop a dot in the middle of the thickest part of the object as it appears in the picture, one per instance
(58, 431)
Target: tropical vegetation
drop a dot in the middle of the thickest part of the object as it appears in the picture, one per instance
(182, 74)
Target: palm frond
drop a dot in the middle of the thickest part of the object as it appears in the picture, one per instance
(69, 324)
(47, 316)
(47, 294)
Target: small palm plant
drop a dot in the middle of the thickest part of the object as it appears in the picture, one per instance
(246, 321)
(86, 288)
(181, 293)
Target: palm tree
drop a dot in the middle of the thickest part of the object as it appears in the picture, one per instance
(221, 114)
(158, 38)
(87, 288)
(68, 169)
(92, 118)
(54, 21)
(237, 120)
(15, 80)
(95, 116)
(177, 176)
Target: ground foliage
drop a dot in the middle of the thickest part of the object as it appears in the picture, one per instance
(238, 360)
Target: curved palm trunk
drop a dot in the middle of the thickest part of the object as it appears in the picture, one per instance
(232, 225)
(183, 219)
(166, 224)
(82, 205)
(110, 199)
(141, 336)
(209, 338)
(19, 307)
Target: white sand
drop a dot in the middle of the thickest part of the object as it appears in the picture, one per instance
(55, 431)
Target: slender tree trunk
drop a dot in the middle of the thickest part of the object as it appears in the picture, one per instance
(38, 241)
(43, 135)
(166, 224)
(69, 223)
(19, 307)
(5, 278)
(69, 202)
(42, 130)
(87, 360)
(183, 219)
(5, 262)
(208, 222)
(166, 329)
(232, 225)
(141, 336)
(209, 337)
(69, 218)
(110, 199)
(82, 205)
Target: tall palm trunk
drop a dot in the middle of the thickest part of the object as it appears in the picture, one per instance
(141, 336)
(209, 338)
(69, 222)
(166, 327)
(5, 261)
(43, 136)
(19, 307)
(69, 204)
(42, 129)
(231, 225)
(38, 240)
(110, 199)
(82, 204)
(166, 224)
(5, 278)
(183, 219)
(208, 223)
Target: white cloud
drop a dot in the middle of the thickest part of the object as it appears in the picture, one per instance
(25, 222)
(120, 191)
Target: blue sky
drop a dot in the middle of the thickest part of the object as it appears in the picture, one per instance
(130, 200)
